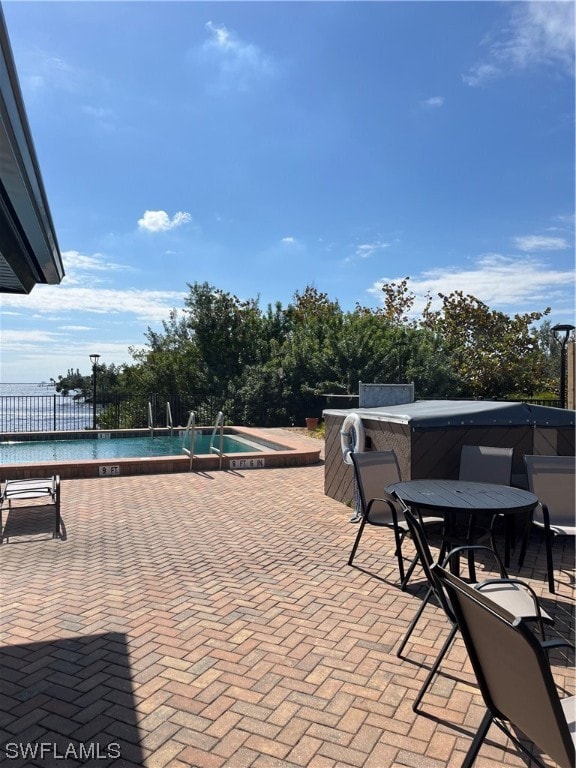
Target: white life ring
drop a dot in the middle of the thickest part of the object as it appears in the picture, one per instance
(352, 436)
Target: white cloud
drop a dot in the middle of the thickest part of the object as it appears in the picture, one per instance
(50, 300)
(481, 74)
(41, 356)
(17, 338)
(288, 240)
(434, 102)
(495, 280)
(76, 261)
(103, 117)
(531, 243)
(32, 83)
(366, 250)
(220, 37)
(78, 265)
(41, 72)
(58, 73)
(159, 221)
(568, 219)
(537, 34)
(77, 317)
(239, 64)
(72, 295)
(99, 112)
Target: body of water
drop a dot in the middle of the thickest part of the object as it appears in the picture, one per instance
(37, 407)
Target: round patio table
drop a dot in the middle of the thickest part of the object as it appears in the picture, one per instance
(455, 498)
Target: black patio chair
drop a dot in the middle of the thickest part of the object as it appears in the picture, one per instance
(512, 594)
(373, 471)
(514, 675)
(552, 479)
(487, 464)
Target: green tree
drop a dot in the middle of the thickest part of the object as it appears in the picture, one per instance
(204, 352)
(273, 368)
(226, 335)
(170, 363)
(493, 354)
(107, 381)
(306, 358)
(72, 382)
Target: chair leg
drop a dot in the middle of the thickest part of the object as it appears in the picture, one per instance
(434, 668)
(478, 739)
(493, 522)
(549, 563)
(471, 541)
(398, 537)
(471, 567)
(409, 572)
(524, 544)
(508, 535)
(357, 539)
(548, 542)
(57, 521)
(444, 549)
(414, 622)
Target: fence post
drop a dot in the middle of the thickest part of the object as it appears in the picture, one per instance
(54, 411)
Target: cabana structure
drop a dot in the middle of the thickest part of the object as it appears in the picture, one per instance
(427, 436)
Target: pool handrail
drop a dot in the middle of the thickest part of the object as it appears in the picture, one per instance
(150, 419)
(190, 429)
(220, 450)
(169, 417)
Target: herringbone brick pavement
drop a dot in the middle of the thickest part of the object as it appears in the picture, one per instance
(210, 621)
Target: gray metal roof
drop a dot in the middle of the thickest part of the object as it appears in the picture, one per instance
(29, 252)
(454, 413)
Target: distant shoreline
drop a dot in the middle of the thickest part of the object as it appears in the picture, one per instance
(27, 383)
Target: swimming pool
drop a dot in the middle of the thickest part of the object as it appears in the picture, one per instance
(21, 452)
(84, 454)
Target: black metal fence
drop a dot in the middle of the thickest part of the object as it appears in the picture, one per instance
(55, 413)
(549, 403)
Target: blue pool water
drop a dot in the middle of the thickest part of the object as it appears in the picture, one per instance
(114, 448)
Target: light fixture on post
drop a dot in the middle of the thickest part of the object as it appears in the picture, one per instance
(558, 330)
(94, 360)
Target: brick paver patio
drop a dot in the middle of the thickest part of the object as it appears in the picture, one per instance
(210, 620)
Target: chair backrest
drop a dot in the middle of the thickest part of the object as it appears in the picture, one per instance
(486, 464)
(426, 560)
(512, 669)
(374, 470)
(552, 479)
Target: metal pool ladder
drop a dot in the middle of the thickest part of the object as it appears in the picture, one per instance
(190, 432)
(150, 420)
(220, 451)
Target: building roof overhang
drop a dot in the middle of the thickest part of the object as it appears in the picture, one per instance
(29, 252)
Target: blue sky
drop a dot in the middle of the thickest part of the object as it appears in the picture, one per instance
(265, 146)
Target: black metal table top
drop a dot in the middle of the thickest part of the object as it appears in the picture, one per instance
(453, 495)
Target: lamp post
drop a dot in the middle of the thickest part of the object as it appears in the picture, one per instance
(558, 330)
(94, 360)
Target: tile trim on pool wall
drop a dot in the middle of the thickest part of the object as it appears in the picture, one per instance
(290, 452)
(91, 434)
